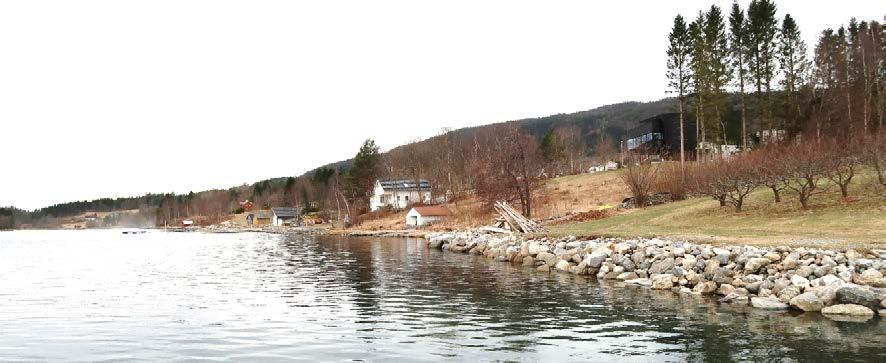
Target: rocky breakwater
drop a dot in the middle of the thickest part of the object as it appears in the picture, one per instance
(836, 283)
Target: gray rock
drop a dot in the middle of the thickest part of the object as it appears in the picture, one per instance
(725, 289)
(807, 301)
(754, 287)
(789, 293)
(596, 259)
(548, 258)
(528, 261)
(435, 243)
(543, 268)
(755, 264)
(627, 276)
(661, 266)
(847, 309)
(562, 265)
(711, 266)
(641, 282)
(662, 282)
(858, 296)
(870, 277)
(806, 271)
(768, 303)
(799, 281)
(705, 288)
(679, 271)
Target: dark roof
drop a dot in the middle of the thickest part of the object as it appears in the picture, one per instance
(285, 212)
(404, 184)
(432, 210)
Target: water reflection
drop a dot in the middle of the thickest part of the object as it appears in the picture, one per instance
(96, 296)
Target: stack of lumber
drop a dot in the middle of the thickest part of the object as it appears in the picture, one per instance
(513, 219)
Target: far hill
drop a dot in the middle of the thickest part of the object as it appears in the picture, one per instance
(613, 120)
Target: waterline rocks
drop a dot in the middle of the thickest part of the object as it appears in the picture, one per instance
(779, 278)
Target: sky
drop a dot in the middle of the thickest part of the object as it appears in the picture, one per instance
(121, 98)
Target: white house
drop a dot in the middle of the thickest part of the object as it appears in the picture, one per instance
(284, 216)
(425, 215)
(399, 194)
(609, 165)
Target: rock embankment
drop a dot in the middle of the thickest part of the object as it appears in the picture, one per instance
(847, 282)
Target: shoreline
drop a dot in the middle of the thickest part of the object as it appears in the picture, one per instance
(847, 285)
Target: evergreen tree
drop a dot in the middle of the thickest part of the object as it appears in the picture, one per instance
(679, 48)
(792, 59)
(738, 51)
(700, 77)
(762, 30)
(718, 71)
(550, 147)
(361, 176)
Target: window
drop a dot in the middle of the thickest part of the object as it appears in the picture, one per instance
(642, 139)
(406, 198)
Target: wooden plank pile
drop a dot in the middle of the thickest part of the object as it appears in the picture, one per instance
(513, 220)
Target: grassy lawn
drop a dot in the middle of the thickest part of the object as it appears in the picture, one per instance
(857, 221)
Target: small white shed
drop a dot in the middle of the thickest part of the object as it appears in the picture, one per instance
(425, 215)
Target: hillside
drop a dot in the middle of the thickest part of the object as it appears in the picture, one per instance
(613, 119)
(831, 222)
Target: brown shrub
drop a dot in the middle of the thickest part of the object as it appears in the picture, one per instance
(640, 179)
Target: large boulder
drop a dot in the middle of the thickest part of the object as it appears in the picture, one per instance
(562, 265)
(662, 282)
(858, 295)
(768, 303)
(847, 309)
(807, 301)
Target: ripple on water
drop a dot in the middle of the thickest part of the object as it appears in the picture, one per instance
(99, 296)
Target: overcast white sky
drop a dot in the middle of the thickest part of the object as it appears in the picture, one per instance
(119, 98)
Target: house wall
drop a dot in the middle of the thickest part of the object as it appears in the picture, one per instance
(414, 219)
(396, 199)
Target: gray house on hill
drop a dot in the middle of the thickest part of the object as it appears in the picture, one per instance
(660, 135)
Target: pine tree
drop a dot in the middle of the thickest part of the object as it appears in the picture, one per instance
(679, 47)
(699, 76)
(792, 60)
(550, 147)
(361, 176)
(718, 71)
(738, 51)
(762, 30)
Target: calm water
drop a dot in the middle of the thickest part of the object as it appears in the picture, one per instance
(104, 296)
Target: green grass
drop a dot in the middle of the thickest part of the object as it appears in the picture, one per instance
(831, 221)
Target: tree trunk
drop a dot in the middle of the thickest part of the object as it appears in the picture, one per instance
(744, 109)
(776, 193)
(682, 138)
